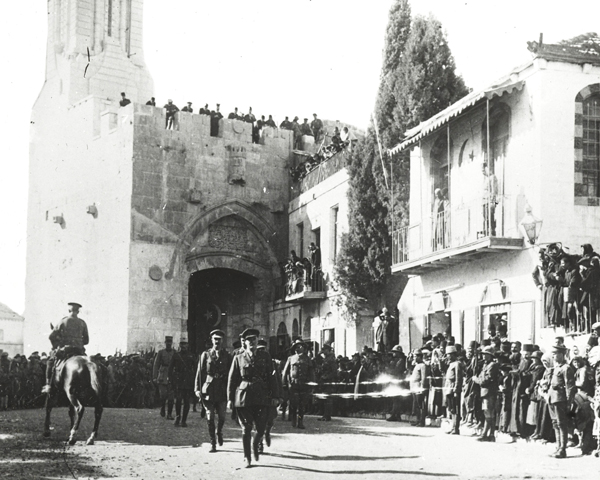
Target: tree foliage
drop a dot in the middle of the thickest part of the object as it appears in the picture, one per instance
(418, 80)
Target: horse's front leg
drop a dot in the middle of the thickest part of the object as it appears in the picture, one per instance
(97, 417)
(79, 408)
(47, 420)
(72, 414)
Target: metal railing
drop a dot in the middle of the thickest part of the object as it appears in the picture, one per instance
(454, 227)
(299, 279)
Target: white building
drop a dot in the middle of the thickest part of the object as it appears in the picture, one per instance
(11, 331)
(538, 130)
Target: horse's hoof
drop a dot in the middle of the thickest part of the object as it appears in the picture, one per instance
(90, 441)
(47, 434)
(72, 441)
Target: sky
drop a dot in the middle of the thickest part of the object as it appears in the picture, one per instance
(292, 57)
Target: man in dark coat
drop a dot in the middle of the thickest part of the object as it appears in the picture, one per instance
(181, 377)
(215, 117)
(488, 380)
(211, 385)
(188, 108)
(124, 100)
(251, 389)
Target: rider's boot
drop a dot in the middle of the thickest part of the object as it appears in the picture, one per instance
(49, 373)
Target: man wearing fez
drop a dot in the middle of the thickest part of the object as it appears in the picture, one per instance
(160, 374)
(251, 389)
(211, 385)
(181, 378)
(297, 373)
(71, 332)
(561, 394)
(453, 383)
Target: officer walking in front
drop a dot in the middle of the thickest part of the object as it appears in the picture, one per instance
(160, 373)
(250, 390)
(211, 386)
(298, 372)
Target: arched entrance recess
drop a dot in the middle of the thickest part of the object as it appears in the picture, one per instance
(228, 270)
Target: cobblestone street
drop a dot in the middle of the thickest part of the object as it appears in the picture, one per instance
(140, 444)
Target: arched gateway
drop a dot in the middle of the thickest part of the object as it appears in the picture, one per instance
(228, 268)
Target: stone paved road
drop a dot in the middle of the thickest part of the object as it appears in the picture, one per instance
(140, 444)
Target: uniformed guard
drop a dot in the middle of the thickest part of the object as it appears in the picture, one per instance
(453, 383)
(561, 394)
(160, 373)
(181, 378)
(298, 371)
(70, 335)
(211, 385)
(250, 390)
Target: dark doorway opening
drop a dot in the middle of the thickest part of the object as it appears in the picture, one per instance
(219, 298)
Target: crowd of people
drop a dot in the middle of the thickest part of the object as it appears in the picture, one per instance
(301, 274)
(570, 285)
(339, 141)
(314, 128)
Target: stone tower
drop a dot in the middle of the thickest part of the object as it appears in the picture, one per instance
(154, 231)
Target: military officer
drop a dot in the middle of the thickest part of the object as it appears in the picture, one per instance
(181, 379)
(250, 390)
(211, 385)
(70, 332)
(561, 394)
(453, 383)
(160, 373)
(298, 371)
(488, 380)
(272, 410)
(419, 387)
(171, 110)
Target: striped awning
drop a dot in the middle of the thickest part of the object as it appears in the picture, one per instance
(415, 134)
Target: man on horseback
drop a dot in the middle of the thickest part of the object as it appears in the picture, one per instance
(68, 338)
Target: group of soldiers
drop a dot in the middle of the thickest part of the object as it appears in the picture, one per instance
(314, 128)
(570, 286)
(512, 388)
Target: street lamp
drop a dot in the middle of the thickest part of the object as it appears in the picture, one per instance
(530, 226)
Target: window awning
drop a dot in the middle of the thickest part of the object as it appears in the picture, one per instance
(415, 134)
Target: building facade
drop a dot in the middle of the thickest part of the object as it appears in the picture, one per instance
(528, 142)
(11, 331)
(159, 231)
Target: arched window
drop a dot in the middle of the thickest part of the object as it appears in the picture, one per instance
(282, 329)
(587, 145)
(295, 332)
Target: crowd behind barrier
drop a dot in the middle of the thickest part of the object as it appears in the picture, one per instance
(440, 380)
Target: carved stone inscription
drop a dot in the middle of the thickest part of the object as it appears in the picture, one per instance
(237, 165)
(227, 237)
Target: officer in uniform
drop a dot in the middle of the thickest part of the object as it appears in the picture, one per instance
(453, 384)
(298, 371)
(251, 389)
(171, 109)
(188, 108)
(160, 373)
(211, 385)
(561, 394)
(71, 333)
(181, 378)
(272, 410)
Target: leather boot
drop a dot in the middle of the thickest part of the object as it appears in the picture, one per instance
(220, 434)
(211, 434)
(246, 442)
(256, 448)
(177, 420)
(293, 418)
(301, 422)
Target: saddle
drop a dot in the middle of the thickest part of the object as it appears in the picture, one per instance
(68, 351)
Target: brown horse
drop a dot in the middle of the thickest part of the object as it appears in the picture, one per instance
(79, 379)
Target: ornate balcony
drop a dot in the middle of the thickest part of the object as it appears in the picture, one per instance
(304, 285)
(467, 232)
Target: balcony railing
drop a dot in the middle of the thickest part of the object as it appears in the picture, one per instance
(455, 227)
(304, 283)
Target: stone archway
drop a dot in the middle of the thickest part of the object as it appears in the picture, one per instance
(226, 248)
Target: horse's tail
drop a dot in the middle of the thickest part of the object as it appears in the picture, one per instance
(95, 382)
